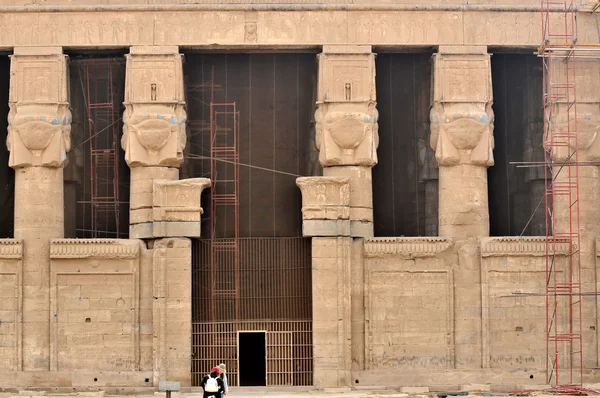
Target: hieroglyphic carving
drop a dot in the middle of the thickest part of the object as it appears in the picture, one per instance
(415, 27)
(461, 114)
(191, 27)
(39, 118)
(154, 121)
(501, 28)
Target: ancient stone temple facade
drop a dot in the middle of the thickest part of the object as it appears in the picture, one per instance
(448, 307)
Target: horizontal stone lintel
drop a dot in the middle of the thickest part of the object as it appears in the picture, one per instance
(507, 246)
(94, 248)
(412, 246)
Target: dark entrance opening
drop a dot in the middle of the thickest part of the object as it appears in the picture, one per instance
(252, 359)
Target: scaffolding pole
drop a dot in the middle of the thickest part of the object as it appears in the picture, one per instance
(560, 51)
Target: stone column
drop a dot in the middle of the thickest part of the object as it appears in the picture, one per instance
(584, 122)
(325, 214)
(462, 138)
(38, 140)
(346, 126)
(154, 134)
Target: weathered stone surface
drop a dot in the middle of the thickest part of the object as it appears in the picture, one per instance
(94, 303)
(172, 346)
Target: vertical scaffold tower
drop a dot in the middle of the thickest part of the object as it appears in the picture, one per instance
(225, 209)
(560, 51)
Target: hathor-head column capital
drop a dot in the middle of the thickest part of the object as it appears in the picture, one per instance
(346, 115)
(154, 120)
(462, 125)
(39, 122)
(462, 120)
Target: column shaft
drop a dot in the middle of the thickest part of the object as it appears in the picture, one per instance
(463, 205)
(39, 217)
(38, 140)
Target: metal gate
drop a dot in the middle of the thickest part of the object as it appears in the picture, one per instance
(289, 350)
(274, 296)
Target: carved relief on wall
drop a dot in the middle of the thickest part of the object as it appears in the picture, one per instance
(347, 77)
(409, 27)
(39, 121)
(219, 26)
(347, 133)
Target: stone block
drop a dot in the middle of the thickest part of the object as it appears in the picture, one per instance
(414, 390)
(141, 231)
(326, 228)
(165, 229)
(139, 216)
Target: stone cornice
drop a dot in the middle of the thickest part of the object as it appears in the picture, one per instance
(412, 247)
(11, 248)
(273, 6)
(94, 248)
(519, 247)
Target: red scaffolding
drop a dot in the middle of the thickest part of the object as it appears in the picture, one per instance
(559, 51)
(103, 139)
(224, 208)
